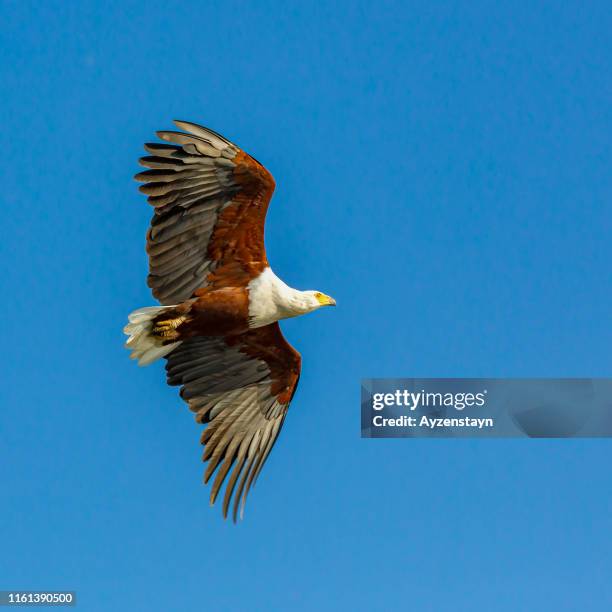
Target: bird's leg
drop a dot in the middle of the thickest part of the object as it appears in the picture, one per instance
(167, 328)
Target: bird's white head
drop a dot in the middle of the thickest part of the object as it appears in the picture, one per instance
(320, 299)
(312, 300)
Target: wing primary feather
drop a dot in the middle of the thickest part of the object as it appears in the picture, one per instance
(229, 488)
(204, 132)
(238, 494)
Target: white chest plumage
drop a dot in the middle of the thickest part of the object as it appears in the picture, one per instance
(270, 300)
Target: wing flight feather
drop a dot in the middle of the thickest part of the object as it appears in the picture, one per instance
(210, 201)
(241, 386)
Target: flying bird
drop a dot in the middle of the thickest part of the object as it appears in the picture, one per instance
(217, 325)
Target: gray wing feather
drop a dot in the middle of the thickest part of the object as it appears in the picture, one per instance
(189, 182)
(231, 391)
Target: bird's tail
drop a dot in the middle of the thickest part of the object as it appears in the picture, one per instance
(148, 339)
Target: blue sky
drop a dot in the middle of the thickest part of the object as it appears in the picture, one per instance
(443, 171)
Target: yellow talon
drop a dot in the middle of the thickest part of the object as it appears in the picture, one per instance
(166, 328)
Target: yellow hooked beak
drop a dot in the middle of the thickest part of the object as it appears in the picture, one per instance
(325, 300)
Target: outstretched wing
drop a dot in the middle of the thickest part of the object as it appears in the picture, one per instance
(210, 202)
(241, 386)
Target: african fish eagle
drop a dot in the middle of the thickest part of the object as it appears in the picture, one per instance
(221, 303)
